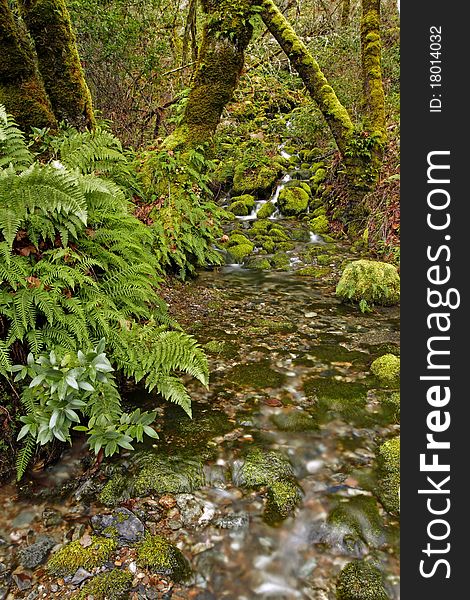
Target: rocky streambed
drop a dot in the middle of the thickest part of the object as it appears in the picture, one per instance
(284, 484)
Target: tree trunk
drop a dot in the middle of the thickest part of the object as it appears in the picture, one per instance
(371, 49)
(345, 12)
(335, 114)
(21, 87)
(226, 35)
(48, 22)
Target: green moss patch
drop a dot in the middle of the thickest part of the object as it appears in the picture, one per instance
(370, 281)
(293, 201)
(387, 369)
(161, 557)
(360, 581)
(388, 462)
(74, 555)
(111, 585)
(257, 375)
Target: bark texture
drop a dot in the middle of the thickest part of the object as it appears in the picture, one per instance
(21, 87)
(48, 22)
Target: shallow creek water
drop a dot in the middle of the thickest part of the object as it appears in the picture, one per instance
(285, 346)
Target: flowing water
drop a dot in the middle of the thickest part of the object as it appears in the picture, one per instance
(281, 347)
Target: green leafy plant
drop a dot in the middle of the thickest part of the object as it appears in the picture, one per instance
(77, 266)
(64, 391)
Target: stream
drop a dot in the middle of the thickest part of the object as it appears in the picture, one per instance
(290, 374)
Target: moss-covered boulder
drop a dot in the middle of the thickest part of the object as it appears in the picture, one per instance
(283, 497)
(110, 585)
(293, 201)
(320, 224)
(281, 261)
(358, 518)
(247, 199)
(266, 210)
(360, 580)
(370, 281)
(387, 369)
(94, 553)
(294, 420)
(115, 490)
(160, 474)
(388, 463)
(259, 264)
(239, 252)
(236, 239)
(259, 181)
(161, 557)
(239, 209)
(263, 468)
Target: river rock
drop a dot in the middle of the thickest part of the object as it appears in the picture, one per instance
(233, 521)
(122, 522)
(35, 554)
(51, 518)
(191, 509)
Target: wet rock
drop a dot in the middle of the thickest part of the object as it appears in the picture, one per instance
(51, 518)
(22, 579)
(294, 420)
(156, 553)
(360, 581)
(233, 521)
(121, 523)
(191, 508)
(35, 554)
(175, 524)
(23, 519)
(80, 576)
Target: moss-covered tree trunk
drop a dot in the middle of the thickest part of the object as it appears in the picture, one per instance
(226, 35)
(21, 87)
(48, 22)
(314, 80)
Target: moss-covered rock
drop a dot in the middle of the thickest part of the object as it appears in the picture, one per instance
(74, 555)
(259, 264)
(239, 252)
(114, 491)
(263, 468)
(358, 518)
(360, 580)
(239, 209)
(387, 369)
(388, 462)
(293, 201)
(283, 497)
(162, 474)
(277, 234)
(320, 224)
(247, 199)
(161, 557)
(259, 181)
(281, 261)
(346, 399)
(266, 210)
(110, 585)
(316, 272)
(370, 281)
(319, 176)
(256, 375)
(236, 239)
(294, 420)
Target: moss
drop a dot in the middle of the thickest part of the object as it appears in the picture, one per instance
(263, 468)
(285, 246)
(223, 347)
(162, 474)
(266, 210)
(247, 199)
(316, 272)
(319, 176)
(360, 580)
(277, 234)
(259, 181)
(275, 326)
(324, 259)
(281, 261)
(239, 209)
(161, 557)
(346, 399)
(387, 369)
(21, 87)
(237, 238)
(371, 281)
(293, 201)
(72, 556)
(358, 518)
(259, 264)
(388, 461)
(240, 251)
(48, 22)
(111, 585)
(283, 497)
(256, 375)
(294, 420)
(114, 490)
(320, 224)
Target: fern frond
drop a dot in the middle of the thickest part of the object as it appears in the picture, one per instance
(24, 457)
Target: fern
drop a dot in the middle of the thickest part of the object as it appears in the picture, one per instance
(24, 457)
(76, 266)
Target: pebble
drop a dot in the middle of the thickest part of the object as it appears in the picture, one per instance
(167, 501)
